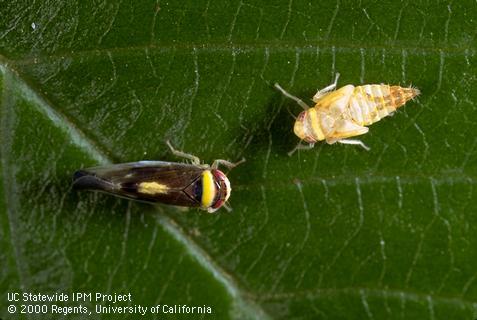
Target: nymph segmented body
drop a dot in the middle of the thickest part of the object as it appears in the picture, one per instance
(344, 113)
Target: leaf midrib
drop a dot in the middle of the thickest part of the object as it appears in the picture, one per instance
(8, 184)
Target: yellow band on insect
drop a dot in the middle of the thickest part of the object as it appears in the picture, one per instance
(315, 124)
(152, 188)
(208, 189)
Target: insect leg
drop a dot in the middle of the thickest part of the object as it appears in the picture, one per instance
(357, 142)
(288, 95)
(195, 160)
(329, 88)
(227, 207)
(299, 146)
(226, 163)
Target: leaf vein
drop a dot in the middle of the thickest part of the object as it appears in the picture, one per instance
(191, 247)
(251, 47)
(386, 292)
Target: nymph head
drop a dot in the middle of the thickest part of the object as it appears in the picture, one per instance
(302, 127)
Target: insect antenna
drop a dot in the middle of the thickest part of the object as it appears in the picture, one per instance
(291, 113)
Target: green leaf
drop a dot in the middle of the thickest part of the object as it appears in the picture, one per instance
(335, 232)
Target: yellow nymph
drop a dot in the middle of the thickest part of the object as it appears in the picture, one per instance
(345, 113)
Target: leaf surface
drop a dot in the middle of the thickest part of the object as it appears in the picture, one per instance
(335, 232)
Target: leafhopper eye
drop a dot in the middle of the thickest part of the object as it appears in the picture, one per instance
(222, 189)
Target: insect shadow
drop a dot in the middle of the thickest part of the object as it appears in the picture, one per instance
(275, 131)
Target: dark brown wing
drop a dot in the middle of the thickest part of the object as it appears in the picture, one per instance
(167, 181)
